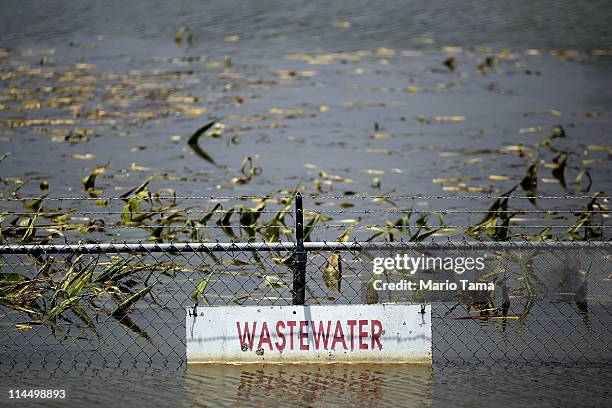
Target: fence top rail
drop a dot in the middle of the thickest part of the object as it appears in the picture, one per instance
(191, 247)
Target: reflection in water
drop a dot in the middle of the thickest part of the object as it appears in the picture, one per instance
(356, 385)
(462, 385)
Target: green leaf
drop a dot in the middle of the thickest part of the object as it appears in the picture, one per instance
(403, 223)
(124, 306)
(60, 307)
(559, 171)
(138, 189)
(198, 292)
(36, 204)
(193, 143)
(333, 272)
(132, 206)
(89, 181)
(529, 183)
(310, 226)
(497, 210)
(585, 220)
(224, 219)
(209, 214)
(27, 236)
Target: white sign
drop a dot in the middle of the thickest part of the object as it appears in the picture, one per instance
(389, 333)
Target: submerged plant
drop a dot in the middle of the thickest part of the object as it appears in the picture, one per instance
(195, 146)
(74, 287)
(585, 221)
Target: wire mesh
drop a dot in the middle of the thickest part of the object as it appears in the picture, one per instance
(125, 304)
(531, 302)
(72, 293)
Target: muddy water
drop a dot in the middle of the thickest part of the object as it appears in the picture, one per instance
(377, 121)
(325, 386)
(357, 94)
(334, 101)
(549, 24)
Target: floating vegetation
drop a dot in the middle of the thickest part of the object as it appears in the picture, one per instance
(136, 118)
(585, 221)
(529, 183)
(89, 181)
(193, 142)
(496, 222)
(451, 63)
(184, 36)
(332, 272)
(248, 170)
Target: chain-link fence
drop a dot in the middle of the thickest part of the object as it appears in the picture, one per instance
(124, 304)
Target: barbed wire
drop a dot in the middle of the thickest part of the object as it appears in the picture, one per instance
(316, 197)
(121, 226)
(259, 226)
(178, 211)
(430, 227)
(172, 211)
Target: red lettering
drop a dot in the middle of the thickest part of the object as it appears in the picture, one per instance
(291, 324)
(320, 335)
(304, 335)
(351, 324)
(338, 336)
(317, 335)
(247, 335)
(280, 334)
(264, 337)
(376, 333)
(363, 335)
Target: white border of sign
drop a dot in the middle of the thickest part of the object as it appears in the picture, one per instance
(380, 333)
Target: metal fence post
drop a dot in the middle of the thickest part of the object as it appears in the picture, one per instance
(300, 256)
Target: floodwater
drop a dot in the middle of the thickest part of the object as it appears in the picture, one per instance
(334, 101)
(331, 97)
(326, 386)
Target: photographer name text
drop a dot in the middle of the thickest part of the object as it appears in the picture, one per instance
(432, 285)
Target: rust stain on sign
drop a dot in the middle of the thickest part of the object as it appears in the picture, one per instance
(394, 333)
